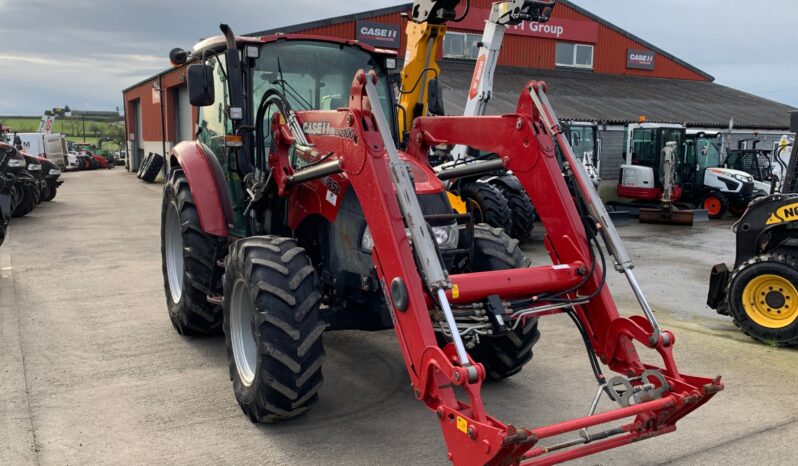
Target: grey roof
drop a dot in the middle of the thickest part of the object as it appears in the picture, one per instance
(585, 96)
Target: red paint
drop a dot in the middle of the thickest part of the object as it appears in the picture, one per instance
(556, 28)
(510, 284)
(529, 150)
(191, 158)
(646, 194)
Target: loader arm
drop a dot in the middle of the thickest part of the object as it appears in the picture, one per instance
(650, 399)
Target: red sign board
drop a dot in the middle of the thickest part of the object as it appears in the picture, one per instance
(555, 28)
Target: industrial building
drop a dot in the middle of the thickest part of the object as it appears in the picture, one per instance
(596, 72)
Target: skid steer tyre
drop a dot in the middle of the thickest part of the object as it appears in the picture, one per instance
(188, 258)
(488, 205)
(763, 298)
(715, 203)
(522, 212)
(52, 190)
(153, 168)
(505, 355)
(273, 329)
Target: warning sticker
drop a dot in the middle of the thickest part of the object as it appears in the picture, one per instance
(462, 425)
(332, 198)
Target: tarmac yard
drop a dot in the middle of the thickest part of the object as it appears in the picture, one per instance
(92, 372)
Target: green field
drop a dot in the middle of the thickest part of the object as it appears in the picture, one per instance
(71, 127)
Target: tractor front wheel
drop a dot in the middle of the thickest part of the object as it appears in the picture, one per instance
(763, 298)
(273, 328)
(715, 203)
(188, 257)
(522, 211)
(502, 355)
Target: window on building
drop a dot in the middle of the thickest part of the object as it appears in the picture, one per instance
(575, 55)
(461, 45)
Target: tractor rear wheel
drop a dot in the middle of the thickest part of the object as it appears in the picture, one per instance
(488, 205)
(504, 355)
(715, 203)
(273, 328)
(189, 257)
(763, 298)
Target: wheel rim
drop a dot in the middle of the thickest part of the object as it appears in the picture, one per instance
(771, 301)
(477, 210)
(174, 253)
(712, 205)
(242, 332)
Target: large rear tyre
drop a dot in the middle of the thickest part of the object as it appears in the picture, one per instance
(273, 330)
(763, 298)
(505, 355)
(488, 205)
(715, 203)
(188, 256)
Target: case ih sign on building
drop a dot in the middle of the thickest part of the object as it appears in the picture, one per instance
(639, 59)
(378, 34)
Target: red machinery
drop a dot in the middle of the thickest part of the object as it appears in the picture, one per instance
(655, 398)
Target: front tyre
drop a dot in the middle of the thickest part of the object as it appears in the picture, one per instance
(763, 298)
(273, 329)
(188, 258)
(504, 355)
(715, 203)
(488, 205)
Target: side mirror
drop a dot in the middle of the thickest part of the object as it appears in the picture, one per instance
(435, 98)
(200, 85)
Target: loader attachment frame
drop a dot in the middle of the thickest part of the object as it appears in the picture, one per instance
(652, 398)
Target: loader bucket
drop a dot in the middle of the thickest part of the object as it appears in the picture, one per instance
(669, 217)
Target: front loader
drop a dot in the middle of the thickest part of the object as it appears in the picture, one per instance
(284, 220)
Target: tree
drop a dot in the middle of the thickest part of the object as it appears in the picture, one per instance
(96, 130)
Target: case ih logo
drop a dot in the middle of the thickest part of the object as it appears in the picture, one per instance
(323, 128)
(639, 59)
(378, 34)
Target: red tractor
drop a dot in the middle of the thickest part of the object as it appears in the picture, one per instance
(294, 213)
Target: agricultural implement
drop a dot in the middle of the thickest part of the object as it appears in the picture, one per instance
(297, 195)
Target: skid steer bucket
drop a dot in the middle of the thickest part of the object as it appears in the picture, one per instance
(422, 296)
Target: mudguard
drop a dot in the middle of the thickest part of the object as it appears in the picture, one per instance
(207, 184)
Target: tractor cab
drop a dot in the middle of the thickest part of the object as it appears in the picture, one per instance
(643, 174)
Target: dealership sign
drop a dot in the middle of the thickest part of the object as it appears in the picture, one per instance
(378, 34)
(555, 28)
(639, 59)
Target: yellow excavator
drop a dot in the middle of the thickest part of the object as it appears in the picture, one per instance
(497, 199)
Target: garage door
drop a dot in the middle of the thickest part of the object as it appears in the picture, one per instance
(184, 125)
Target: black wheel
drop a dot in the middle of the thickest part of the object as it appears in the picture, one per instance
(488, 205)
(272, 326)
(763, 298)
(153, 168)
(52, 189)
(715, 203)
(504, 355)
(522, 212)
(26, 201)
(188, 258)
(143, 166)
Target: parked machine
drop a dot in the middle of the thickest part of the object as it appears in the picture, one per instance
(695, 173)
(496, 198)
(6, 186)
(586, 144)
(280, 206)
(760, 292)
(25, 188)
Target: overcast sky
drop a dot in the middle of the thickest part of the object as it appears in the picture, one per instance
(82, 53)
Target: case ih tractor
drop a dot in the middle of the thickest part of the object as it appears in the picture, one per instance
(293, 213)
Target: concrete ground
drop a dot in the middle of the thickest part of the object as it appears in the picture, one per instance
(91, 371)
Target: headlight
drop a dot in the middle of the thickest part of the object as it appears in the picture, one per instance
(446, 236)
(16, 163)
(54, 171)
(33, 167)
(743, 178)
